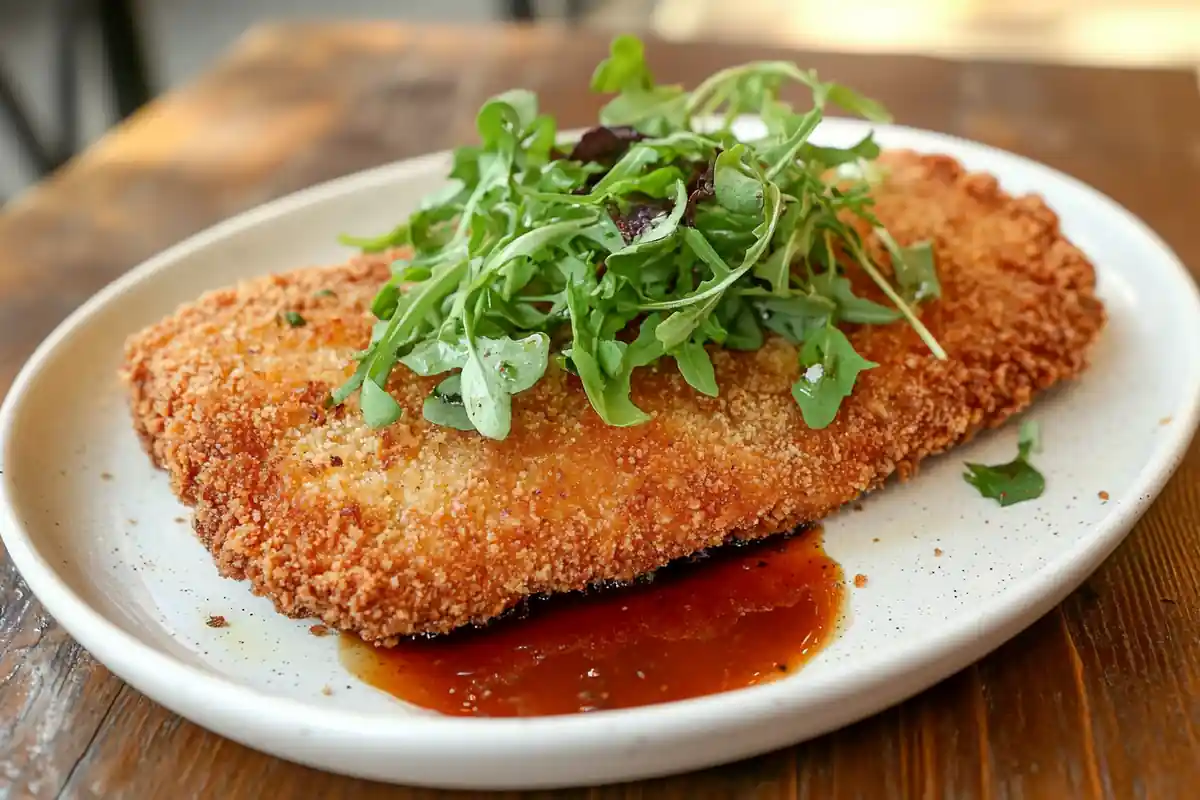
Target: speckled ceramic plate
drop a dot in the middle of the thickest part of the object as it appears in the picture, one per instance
(100, 539)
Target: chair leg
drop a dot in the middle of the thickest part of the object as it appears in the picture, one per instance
(126, 67)
(67, 77)
(22, 125)
(521, 10)
(126, 55)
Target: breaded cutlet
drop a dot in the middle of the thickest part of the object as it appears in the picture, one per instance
(416, 528)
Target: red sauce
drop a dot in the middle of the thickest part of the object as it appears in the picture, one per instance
(742, 616)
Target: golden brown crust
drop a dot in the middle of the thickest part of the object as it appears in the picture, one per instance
(417, 528)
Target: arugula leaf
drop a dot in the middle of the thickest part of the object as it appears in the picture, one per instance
(653, 111)
(488, 406)
(564, 177)
(377, 362)
(696, 367)
(831, 367)
(636, 159)
(539, 141)
(742, 329)
(864, 150)
(444, 405)
(603, 232)
(610, 353)
(434, 356)
(397, 237)
(696, 306)
(386, 301)
(500, 122)
(797, 317)
(851, 307)
(686, 145)
(495, 370)
(527, 244)
(625, 68)
(410, 273)
(520, 363)
(643, 351)
(640, 103)
(776, 269)
(659, 183)
(379, 408)
(664, 227)
(855, 246)
(700, 246)
(856, 103)
(753, 85)
(609, 396)
(1016, 481)
(783, 155)
(737, 190)
(914, 268)
(655, 237)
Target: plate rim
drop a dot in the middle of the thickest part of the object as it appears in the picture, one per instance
(261, 720)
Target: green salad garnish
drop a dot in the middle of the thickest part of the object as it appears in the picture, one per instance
(1016, 481)
(652, 236)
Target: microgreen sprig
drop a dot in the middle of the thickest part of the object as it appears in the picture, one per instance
(653, 236)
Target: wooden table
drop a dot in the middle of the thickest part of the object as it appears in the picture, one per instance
(1100, 698)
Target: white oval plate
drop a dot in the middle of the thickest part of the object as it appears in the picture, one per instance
(98, 537)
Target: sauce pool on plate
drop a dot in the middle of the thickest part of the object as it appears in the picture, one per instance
(741, 616)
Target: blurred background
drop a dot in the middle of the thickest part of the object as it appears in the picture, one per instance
(70, 69)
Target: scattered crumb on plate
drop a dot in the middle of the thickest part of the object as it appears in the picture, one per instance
(860, 580)
(876, 539)
(319, 630)
(216, 621)
(180, 520)
(1103, 496)
(937, 552)
(1165, 421)
(106, 476)
(326, 690)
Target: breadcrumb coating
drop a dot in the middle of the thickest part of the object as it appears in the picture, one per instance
(421, 529)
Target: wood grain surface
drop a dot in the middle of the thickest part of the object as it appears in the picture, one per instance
(1099, 699)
